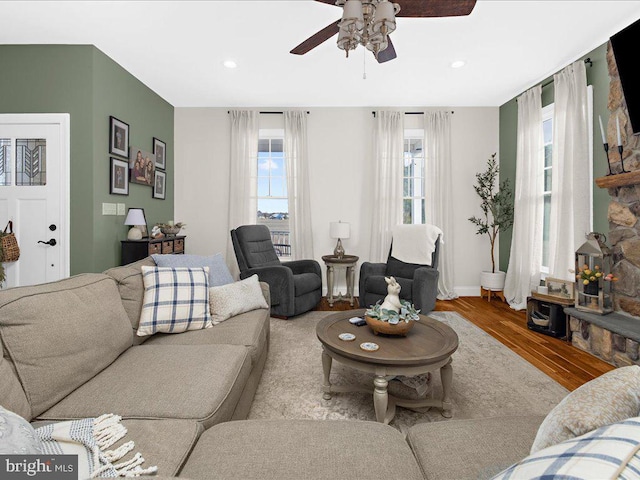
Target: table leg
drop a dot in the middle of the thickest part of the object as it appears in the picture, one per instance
(380, 397)
(330, 285)
(446, 376)
(350, 281)
(326, 368)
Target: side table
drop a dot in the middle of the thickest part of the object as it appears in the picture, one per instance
(333, 261)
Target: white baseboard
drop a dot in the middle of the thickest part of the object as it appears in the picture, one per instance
(473, 291)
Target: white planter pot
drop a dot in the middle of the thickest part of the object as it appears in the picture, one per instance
(492, 281)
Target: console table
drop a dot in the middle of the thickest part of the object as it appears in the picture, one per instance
(134, 250)
(333, 261)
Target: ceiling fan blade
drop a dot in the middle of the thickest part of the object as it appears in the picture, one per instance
(328, 2)
(388, 53)
(314, 40)
(435, 8)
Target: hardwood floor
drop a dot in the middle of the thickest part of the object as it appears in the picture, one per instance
(563, 362)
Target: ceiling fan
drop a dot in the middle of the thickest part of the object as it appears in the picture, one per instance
(369, 23)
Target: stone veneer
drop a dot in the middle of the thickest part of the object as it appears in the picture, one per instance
(624, 208)
(602, 335)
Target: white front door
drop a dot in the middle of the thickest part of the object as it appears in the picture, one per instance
(34, 195)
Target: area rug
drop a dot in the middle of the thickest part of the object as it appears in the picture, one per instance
(488, 379)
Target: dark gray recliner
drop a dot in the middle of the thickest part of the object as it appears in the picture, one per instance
(295, 287)
(418, 283)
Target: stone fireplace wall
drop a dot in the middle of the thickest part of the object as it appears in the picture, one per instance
(624, 208)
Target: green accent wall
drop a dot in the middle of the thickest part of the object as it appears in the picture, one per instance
(598, 77)
(87, 84)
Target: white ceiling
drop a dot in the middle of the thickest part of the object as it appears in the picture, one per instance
(177, 49)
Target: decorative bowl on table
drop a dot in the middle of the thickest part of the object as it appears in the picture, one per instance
(386, 328)
(170, 231)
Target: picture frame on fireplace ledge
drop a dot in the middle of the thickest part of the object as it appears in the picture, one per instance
(560, 288)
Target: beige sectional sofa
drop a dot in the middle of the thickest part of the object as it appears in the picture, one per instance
(69, 351)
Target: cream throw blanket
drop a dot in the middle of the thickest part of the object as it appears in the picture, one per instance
(89, 439)
(415, 243)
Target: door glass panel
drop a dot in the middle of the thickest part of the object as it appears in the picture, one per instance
(5, 161)
(31, 161)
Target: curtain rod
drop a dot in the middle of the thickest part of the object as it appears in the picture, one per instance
(412, 113)
(271, 113)
(550, 81)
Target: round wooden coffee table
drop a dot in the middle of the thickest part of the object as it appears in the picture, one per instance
(427, 347)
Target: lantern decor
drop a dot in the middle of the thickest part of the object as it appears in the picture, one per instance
(593, 275)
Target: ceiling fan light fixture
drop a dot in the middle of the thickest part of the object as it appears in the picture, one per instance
(458, 64)
(385, 17)
(352, 16)
(230, 64)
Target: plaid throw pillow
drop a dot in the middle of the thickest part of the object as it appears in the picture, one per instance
(175, 300)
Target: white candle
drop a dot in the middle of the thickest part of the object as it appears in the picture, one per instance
(618, 130)
(170, 222)
(604, 138)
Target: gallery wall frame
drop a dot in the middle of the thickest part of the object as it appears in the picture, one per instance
(119, 177)
(160, 152)
(118, 137)
(160, 185)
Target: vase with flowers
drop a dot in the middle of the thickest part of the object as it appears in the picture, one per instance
(590, 278)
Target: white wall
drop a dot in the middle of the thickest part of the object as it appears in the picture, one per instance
(340, 150)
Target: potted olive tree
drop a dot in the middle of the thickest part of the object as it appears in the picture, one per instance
(497, 208)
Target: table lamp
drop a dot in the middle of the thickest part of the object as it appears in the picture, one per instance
(135, 217)
(339, 230)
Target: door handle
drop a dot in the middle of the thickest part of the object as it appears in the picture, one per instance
(51, 242)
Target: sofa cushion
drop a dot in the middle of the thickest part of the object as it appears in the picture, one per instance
(472, 449)
(609, 398)
(60, 334)
(17, 436)
(218, 271)
(196, 382)
(250, 329)
(608, 452)
(297, 449)
(131, 288)
(235, 298)
(12, 396)
(175, 300)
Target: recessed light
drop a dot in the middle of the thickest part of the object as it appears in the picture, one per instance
(230, 64)
(457, 64)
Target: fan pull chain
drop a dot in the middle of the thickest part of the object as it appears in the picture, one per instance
(364, 63)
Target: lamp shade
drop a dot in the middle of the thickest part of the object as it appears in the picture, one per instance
(135, 216)
(339, 230)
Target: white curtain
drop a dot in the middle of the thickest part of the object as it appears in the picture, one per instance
(570, 189)
(388, 147)
(439, 193)
(523, 272)
(243, 203)
(297, 161)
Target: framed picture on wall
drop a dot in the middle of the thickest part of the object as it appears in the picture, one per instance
(159, 186)
(160, 151)
(119, 177)
(142, 166)
(118, 137)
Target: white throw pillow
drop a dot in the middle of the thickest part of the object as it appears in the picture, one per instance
(175, 300)
(17, 436)
(236, 298)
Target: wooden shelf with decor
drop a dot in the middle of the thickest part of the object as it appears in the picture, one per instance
(134, 250)
(619, 180)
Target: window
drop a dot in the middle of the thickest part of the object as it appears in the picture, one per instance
(273, 206)
(547, 133)
(413, 207)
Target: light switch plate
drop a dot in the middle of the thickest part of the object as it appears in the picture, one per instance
(108, 209)
(121, 209)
